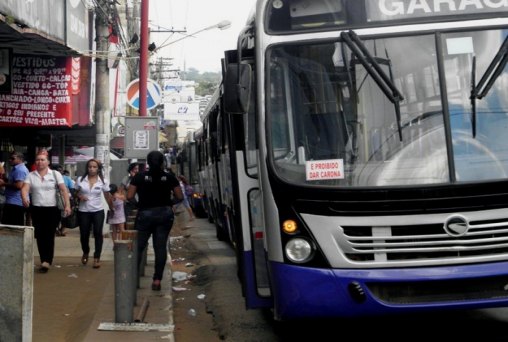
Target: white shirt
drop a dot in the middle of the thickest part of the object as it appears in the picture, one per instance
(42, 189)
(94, 195)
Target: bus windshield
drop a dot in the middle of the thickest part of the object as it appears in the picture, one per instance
(331, 123)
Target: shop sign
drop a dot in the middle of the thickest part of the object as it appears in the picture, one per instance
(41, 93)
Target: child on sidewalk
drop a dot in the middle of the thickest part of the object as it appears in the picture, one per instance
(187, 195)
(116, 218)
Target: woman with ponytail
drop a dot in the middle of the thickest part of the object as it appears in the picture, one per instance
(155, 188)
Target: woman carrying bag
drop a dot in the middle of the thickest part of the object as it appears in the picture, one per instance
(39, 195)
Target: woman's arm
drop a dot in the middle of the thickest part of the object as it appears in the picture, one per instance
(77, 191)
(177, 191)
(109, 200)
(25, 190)
(131, 192)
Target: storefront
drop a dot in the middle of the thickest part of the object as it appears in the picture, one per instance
(46, 78)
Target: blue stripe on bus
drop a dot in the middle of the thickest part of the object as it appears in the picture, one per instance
(309, 292)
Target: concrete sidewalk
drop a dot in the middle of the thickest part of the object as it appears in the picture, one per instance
(74, 298)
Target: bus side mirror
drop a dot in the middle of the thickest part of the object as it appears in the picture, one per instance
(237, 88)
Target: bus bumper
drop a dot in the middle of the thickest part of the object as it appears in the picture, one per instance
(302, 292)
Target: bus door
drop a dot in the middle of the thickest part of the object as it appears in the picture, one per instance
(247, 214)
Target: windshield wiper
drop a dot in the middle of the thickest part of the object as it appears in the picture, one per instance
(473, 97)
(492, 73)
(480, 90)
(373, 68)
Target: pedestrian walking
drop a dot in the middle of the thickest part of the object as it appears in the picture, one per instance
(69, 183)
(130, 205)
(155, 215)
(89, 190)
(42, 185)
(188, 191)
(117, 219)
(13, 210)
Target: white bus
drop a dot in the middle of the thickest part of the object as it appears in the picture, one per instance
(368, 153)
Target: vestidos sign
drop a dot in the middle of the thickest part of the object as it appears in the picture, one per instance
(41, 92)
(398, 9)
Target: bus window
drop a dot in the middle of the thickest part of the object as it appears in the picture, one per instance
(335, 110)
(484, 156)
(250, 135)
(281, 143)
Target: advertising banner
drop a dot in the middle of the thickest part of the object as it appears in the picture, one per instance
(42, 90)
(181, 111)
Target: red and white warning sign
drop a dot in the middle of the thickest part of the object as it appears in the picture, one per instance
(324, 169)
(149, 125)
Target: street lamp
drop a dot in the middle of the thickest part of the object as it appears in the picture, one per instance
(223, 25)
(143, 58)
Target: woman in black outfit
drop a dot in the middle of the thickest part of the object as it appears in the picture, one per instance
(155, 216)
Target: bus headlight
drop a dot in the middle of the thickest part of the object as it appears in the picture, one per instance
(299, 250)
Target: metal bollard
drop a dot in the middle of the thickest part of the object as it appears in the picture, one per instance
(132, 235)
(144, 262)
(130, 225)
(124, 293)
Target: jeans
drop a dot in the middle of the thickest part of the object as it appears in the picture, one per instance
(155, 222)
(88, 222)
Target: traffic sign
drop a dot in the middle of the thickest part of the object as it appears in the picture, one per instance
(153, 96)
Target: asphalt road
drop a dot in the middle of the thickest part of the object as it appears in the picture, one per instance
(213, 273)
(215, 270)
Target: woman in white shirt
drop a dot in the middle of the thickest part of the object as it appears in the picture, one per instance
(89, 190)
(41, 185)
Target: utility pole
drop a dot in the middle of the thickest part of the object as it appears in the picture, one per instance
(102, 110)
(143, 58)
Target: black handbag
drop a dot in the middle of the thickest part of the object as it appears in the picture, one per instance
(71, 221)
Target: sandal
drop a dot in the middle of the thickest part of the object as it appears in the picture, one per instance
(84, 259)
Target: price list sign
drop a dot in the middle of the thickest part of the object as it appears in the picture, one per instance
(41, 92)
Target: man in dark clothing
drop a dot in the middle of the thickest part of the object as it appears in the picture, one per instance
(155, 215)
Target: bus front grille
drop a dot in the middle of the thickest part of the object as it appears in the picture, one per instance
(430, 242)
